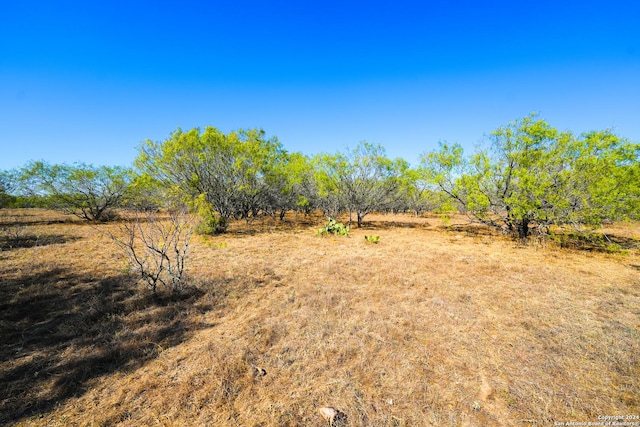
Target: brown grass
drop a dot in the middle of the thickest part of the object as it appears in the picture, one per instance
(434, 325)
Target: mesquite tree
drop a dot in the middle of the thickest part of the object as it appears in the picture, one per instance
(86, 191)
(534, 175)
(361, 180)
(225, 175)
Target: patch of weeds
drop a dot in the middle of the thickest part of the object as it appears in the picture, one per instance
(333, 227)
(615, 248)
(209, 244)
(372, 239)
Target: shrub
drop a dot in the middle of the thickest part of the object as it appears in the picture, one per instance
(333, 227)
(372, 239)
(156, 248)
(211, 224)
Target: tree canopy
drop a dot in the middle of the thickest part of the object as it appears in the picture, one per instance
(362, 180)
(87, 191)
(233, 175)
(534, 175)
(527, 175)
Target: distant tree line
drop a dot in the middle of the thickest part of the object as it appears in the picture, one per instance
(529, 175)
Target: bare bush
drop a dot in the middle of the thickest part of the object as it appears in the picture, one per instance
(156, 247)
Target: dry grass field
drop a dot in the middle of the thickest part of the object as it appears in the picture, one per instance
(433, 326)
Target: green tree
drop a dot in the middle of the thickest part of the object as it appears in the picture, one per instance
(362, 179)
(86, 191)
(534, 175)
(327, 172)
(604, 180)
(7, 186)
(290, 185)
(261, 172)
(145, 194)
(224, 175)
(417, 194)
(193, 167)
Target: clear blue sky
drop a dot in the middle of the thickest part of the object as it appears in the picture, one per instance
(89, 80)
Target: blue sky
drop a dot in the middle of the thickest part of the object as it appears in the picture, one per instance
(89, 80)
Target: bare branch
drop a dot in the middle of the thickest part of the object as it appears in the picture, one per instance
(156, 248)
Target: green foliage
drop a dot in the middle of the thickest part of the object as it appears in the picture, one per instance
(372, 239)
(210, 222)
(292, 185)
(361, 180)
(533, 175)
(326, 177)
(418, 194)
(6, 188)
(86, 191)
(146, 194)
(238, 175)
(333, 227)
(7, 200)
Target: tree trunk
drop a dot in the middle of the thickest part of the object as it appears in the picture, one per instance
(523, 228)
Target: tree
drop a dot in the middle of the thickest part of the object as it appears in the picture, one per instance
(147, 195)
(416, 193)
(604, 181)
(362, 179)
(444, 169)
(534, 175)
(193, 166)
(517, 180)
(86, 191)
(224, 175)
(7, 186)
(289, 185)
(327, 171)
(261, 168)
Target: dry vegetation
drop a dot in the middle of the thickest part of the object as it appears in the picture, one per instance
(434, 325)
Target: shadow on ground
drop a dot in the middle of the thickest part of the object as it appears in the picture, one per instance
(596, 242)
(18, 241)
(59, 330)
(588, 242)
(387, 225)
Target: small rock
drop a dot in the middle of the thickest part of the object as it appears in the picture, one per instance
(333, 417)
(258, 371)
(328, 413)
